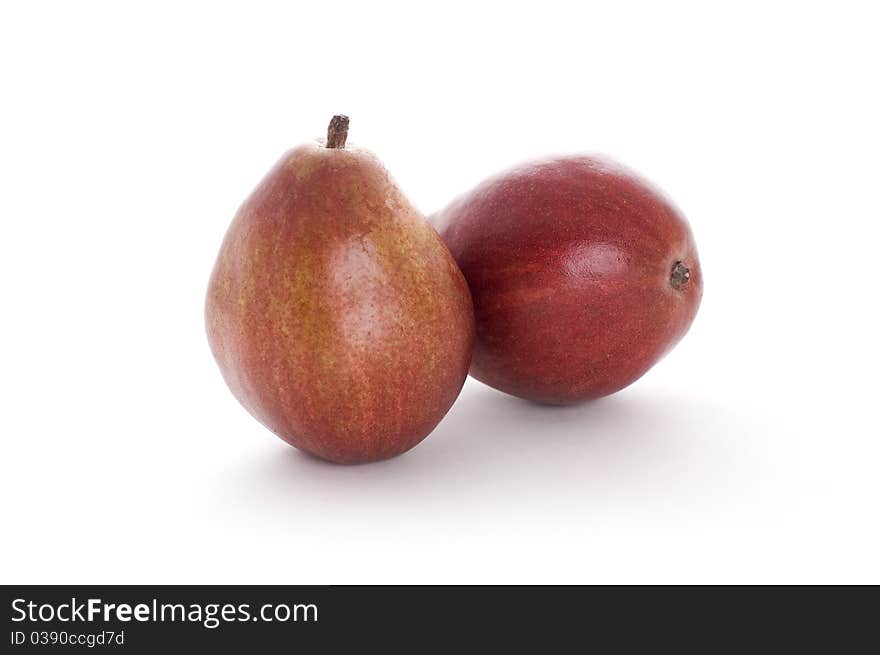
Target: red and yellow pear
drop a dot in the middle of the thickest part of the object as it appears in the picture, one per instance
(336, 314)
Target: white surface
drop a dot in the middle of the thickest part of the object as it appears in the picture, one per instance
(128, 137)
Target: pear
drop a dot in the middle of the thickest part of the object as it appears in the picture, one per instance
(583, 274)
(336, 314)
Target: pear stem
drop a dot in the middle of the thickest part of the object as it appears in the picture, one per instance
(337, 132)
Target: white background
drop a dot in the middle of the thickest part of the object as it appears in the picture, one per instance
(128, 137)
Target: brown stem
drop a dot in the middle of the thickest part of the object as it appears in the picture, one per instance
(337, 132)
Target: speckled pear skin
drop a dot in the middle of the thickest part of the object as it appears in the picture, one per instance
(336, 314)
(583, 276)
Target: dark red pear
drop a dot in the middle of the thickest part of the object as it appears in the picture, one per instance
(583, 276)
(336, 314)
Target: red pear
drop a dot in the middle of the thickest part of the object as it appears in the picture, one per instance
(582, 274)
(336, 314)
